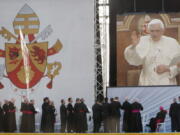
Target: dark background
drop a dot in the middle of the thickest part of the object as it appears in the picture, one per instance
(133, 6)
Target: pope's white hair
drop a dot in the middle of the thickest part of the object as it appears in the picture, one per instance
(156, 21)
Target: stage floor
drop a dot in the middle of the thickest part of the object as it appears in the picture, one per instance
(90, 133)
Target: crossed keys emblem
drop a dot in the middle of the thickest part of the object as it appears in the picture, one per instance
(28, 21)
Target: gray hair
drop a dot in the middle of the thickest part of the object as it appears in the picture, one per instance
(156, 21)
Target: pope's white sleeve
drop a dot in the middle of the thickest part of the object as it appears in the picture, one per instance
(132, 56)
(173, 71)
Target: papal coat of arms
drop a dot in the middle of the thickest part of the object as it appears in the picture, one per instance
(26, 67)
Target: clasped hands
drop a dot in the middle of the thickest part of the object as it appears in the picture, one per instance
(160, 69)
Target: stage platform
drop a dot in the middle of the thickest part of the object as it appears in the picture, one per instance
(89, 133)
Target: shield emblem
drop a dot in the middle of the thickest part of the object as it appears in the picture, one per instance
(15, 65)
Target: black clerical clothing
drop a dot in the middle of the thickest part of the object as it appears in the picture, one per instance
(84, 112)
(1, 119)
(63, 117)
(106, 116)
(27, 118)
(47, 119)
(12, 118)
(70, 118)
(6, 117)
(174, 115)
(127, 116)
(97, 117)
(136, 122)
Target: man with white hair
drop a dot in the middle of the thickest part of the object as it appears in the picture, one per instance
(136, 122)
(155, 53)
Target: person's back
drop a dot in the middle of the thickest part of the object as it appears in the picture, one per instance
(105, 110)
(127, 116)
(63, 116)
(106, 115)
(97, 111)
(115, 114)
(136, 122)
(173, 111)
(174, 115)
(97, 116)
(12, 117)
(5, 117)
(70, 116)
(115, 109)
(63, 112)
(70, 109)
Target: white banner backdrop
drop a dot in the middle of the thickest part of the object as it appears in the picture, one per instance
(72, 22)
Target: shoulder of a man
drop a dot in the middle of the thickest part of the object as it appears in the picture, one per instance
(169, 39)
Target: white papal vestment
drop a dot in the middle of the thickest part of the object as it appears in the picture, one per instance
(150, 54)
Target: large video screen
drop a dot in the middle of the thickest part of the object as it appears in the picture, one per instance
(148, 49)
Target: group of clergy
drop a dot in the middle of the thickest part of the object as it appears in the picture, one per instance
(8, 116)
(174, 114)
(109, 113)
(27, 120)
(74, 117)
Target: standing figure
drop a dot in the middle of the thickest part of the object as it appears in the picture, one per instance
(178, 117)
(78, 116)
(106, 115)
(136, 122)
(25, 116)
(110, 115)
(115, 107)
(97, 116)
(46, 118)
(63, 116)
(127, 116)
(6, 116)
(52, 110)
(28, 116)
(32, 116)
(84, 112)
(173, 113)
(12, 116)
(1, 118)
(70, 116)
